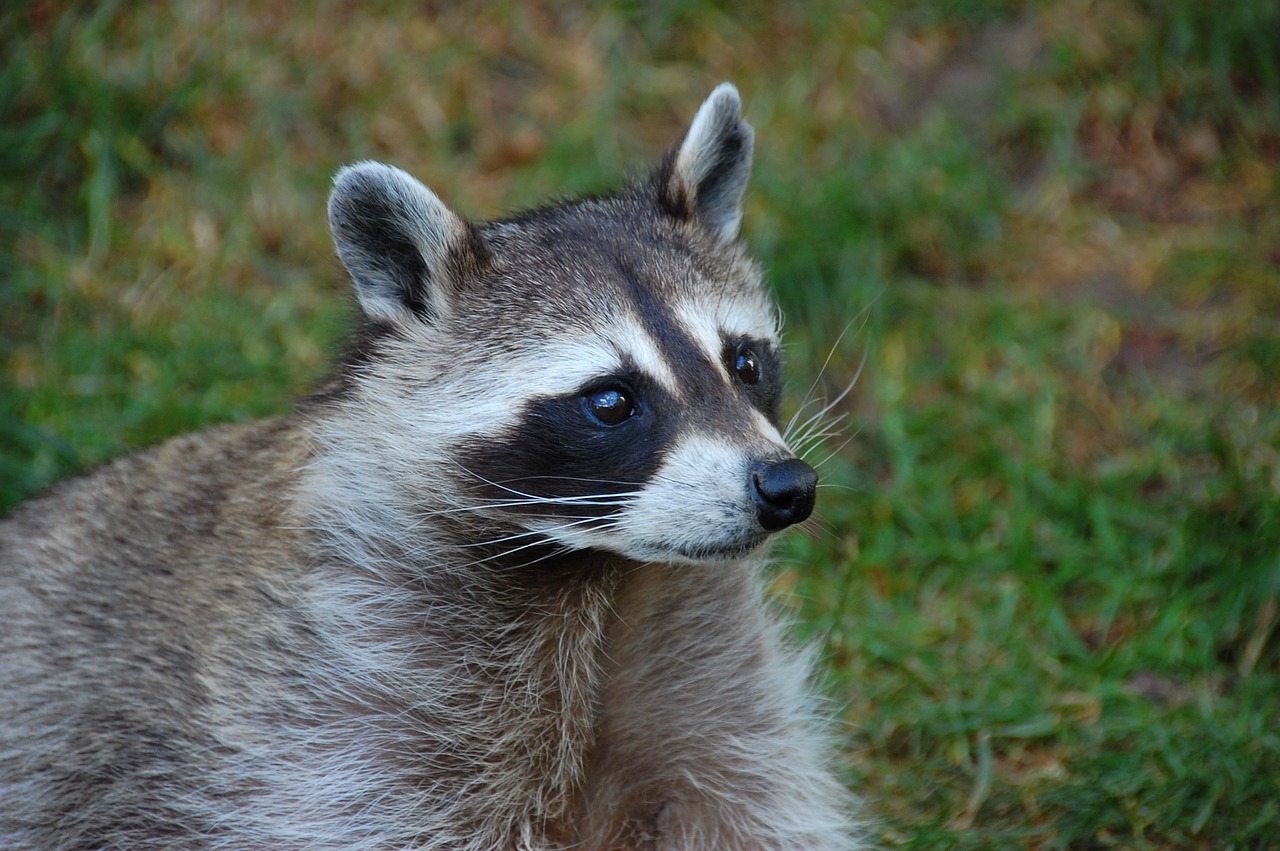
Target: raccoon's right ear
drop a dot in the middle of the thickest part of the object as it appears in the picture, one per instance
(704, 178)
(404, 248)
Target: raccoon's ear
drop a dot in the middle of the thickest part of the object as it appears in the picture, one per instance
(403, 247)
(705, 177)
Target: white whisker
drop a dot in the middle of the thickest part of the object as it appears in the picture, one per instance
(577, 521)
(864, 314)
(837, 450)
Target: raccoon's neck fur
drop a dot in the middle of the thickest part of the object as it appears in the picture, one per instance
(514, 700)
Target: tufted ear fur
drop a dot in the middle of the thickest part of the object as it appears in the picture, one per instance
(404, 249)
(705, 177)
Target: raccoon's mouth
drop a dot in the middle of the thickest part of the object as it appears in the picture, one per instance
(723, 551)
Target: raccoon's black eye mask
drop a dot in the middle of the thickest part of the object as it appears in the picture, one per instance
(610, 436)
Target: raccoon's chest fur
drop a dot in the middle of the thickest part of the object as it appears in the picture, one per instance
(590, 717)
(492, 588)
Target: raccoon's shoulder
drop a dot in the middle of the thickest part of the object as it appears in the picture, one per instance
(231, 474)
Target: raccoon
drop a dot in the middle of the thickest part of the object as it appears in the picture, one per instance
(493, 586)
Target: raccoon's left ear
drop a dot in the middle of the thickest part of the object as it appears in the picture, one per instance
(705, 177)
(406, 251)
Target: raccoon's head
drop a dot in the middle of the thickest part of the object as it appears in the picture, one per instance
(602, 374)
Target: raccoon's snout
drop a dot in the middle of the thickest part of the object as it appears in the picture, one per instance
(784, 492)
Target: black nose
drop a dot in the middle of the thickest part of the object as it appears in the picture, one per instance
(784, 492)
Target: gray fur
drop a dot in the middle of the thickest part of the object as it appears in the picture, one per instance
(365, 625)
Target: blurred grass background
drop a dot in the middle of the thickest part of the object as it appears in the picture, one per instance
(1047, 572)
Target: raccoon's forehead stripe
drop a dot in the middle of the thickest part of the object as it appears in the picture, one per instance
(680, 350)
(632, 342)
(702, 328)
(564, 364)
(710, 329)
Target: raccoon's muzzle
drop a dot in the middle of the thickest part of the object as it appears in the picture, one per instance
(784, 492)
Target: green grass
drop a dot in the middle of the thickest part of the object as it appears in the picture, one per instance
(1046, 575)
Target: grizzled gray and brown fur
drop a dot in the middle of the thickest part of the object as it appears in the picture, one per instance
(491, 588)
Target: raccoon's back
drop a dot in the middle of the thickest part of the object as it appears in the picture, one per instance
(120, 672)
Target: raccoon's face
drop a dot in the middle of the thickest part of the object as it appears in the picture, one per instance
(602, 375)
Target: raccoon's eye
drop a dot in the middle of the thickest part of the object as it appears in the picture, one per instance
(746, 365)
(611, 406)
